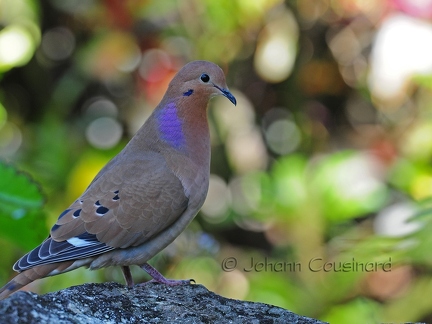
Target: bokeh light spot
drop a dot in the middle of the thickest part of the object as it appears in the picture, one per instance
(356, 177)
(246, 151)
(233, 119)
(16, 46)
(218, 200)
(421, 186)
(401, 49)
(234, 284)
(152, 59)
(101, 107)
(393, 220)
(417, 144)
(276, 49)
(245, 200)
(104, 132)
(58, 43)
(283, 136)
(10, 139)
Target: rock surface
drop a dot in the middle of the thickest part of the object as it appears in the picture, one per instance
(152, 303)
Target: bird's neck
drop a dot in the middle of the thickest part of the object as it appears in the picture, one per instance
(171, 126)
(182, 126)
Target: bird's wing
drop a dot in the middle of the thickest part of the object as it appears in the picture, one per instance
(125, 206)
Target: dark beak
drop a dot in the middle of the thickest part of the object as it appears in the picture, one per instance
(228, 94)
(230, 97)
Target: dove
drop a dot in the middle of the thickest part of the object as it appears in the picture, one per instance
(144, 197)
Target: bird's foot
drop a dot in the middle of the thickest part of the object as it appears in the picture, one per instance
(158, 277)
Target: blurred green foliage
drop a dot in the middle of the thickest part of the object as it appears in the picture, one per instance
(21, 218)
(324, 165)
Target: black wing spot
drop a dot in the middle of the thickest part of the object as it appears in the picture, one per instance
(55, 227)
(97, 203)
(116, 197)
(77, 213)
(64, 213)
(116, 192)
(102, 210)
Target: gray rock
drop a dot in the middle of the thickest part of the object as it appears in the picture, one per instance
(151, 303)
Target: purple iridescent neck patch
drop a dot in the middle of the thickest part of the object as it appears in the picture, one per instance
(170, 126)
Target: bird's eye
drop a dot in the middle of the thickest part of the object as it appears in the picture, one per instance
(205, 78)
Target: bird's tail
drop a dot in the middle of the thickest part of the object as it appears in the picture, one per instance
(12, 286)
(27, 276)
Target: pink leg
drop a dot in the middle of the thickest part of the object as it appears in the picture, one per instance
(158, 277)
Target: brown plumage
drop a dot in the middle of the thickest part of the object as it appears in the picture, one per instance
(144, 197)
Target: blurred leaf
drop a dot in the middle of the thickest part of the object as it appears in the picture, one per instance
(423, 80)
(417, 245)
(276, 289)
(348, 186)
(50, 156)
(21, 218)
(411, 306)
(403, 173)
(18, 192)
(425, 212)
(258, 196)
(290, 185)
(27, 231)
(359, 311)
(419, 249)
(416, 145)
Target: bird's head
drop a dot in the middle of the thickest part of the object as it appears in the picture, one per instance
(200, 79)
